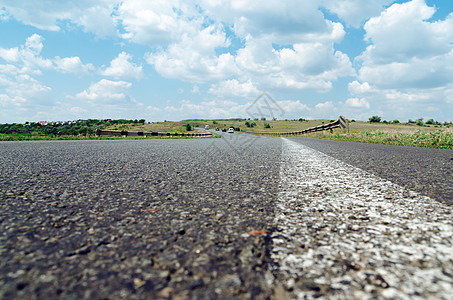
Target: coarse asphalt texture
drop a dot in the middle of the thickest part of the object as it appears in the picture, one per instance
(141, 219)
(424, 170)
(136, 219)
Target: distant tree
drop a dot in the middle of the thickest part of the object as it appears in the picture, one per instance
(267, 125)
(142, 121)
(375, 119)
(395, 121)
(250, 123)
(420, 122)
(188, 127)
(263, 119)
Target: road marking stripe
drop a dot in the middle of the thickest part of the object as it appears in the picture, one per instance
(343, 232)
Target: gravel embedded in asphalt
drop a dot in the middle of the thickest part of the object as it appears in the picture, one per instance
(344, 233)
(424, 170)
(136, 219)
(141, 219)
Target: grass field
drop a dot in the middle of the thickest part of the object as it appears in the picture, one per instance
(435, 136)
(404, 134)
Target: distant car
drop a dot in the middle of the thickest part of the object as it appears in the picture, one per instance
(217, 129)
(223, 129)
(231, 130)
(206, 127)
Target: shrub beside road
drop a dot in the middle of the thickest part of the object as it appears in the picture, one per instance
(427, 139)
(417, 133)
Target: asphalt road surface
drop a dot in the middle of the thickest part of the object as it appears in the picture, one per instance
(238, 217)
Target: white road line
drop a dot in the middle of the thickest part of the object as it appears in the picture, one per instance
(344, 233)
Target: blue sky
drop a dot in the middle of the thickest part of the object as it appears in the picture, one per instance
(173, 59)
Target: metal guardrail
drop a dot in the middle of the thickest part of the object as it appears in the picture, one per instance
(144, 134)
(342, 122)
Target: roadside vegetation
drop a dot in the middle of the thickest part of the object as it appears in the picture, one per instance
(429, 134)
(428, 139)
(85, 129)
(416, 132)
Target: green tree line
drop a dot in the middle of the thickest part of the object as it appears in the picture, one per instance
(81, 127)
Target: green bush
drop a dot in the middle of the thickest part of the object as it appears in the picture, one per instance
(250, 124)
(375, 119)
(267, 125)
(420, 122)
(188, 127)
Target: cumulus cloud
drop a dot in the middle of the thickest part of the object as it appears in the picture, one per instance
(194, 59)
(325, 106)
(27, 59)
(233, 88)
(122, 67)
(106, 91)
(285, 22)
(27, 56)
(157, 23)
(71, 65)
(357, 103)
(307, 61)
(354, 12)
(407, 50)
(92, 16)
(189, 40)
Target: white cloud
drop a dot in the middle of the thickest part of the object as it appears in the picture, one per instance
(407, 50)
(27, 59)
(357, 103)
(121, 67)
(233, 88)
(106, 91)
(286, 22)
(189, 42)
(27, 55)
(307, 60)
(6, 101)
(357, 88)
(194, 58)
(92, 16)
(22, 86)
(71, 65)
(157, 23)
(325, 106)
(354, 12)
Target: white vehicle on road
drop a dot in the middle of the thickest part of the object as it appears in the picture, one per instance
(206, 127)
(231, 130)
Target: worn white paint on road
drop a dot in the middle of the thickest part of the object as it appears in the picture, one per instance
(344, 233)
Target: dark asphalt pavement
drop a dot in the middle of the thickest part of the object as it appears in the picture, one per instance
(140, 219)
(423, 170)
